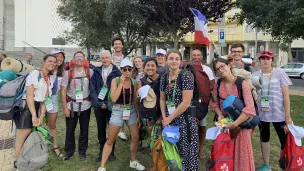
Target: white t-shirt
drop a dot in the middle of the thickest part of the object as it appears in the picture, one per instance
(40, 87)
(208, 71)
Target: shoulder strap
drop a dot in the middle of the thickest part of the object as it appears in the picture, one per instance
(87, 70)
(246, 67)
(218, 84)
(117, 80)
(70, 75)
(239, 83)
(179, 78)
(132, 82)
(39, 76)
(144, 81)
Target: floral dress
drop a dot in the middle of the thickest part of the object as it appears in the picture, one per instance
(243, 152)
(187, 150)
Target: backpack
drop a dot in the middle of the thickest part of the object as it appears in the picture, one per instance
(11, 94)
(143, 133)
(71, 75)
(172, 156)
(147, 112)
(248, 77)
(110, 103)
(292, 156)
(238, 83)
(34, 154)
(47, 136)
(222, 154)
(158, 155)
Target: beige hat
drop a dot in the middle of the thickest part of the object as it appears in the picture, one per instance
(150, 99)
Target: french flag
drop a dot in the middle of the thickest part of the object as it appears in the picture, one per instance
(200, 34)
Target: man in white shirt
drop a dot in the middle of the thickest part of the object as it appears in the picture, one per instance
(197, 57)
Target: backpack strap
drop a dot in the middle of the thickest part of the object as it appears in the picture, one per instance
(247, 67)
(218, 84)
(239, 86)
(144, 81)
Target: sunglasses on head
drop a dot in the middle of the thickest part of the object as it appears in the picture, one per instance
(127, 69)
(266, 53)
(265, 58)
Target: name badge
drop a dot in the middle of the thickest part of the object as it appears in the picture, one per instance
(103, 93)
(48, 104)
(126, 113)
(79, 96)
(171, 107)
(265, 104)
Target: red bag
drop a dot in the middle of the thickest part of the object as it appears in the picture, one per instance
(203, 83)
(292, 157)
(222, 153)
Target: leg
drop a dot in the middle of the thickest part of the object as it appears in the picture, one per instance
(108, 117)
(22, 134)
(134, 140)
(71, 124)
(101, 120)
(202, 136)
(51, 123)
(84, 120)
(107, 149)
(264, 138)
(278, 126)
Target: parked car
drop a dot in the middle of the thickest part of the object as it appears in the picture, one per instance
(294, 69)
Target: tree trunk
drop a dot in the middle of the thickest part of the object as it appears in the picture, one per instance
(290, 57)
(176, 39)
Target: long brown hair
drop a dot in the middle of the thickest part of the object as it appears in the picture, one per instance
(135, 70)
(60, 69)
(45, 58)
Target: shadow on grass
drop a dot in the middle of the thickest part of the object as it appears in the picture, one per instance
(122, 151)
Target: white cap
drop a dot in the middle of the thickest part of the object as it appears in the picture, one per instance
(57, 50)
(161, 51)
(297, 132)
(126, 62)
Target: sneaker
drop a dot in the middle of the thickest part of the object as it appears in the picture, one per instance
(144, 144)
(122, 135)
(82, 157)
(136, 165)
(98, 158)
(111, 157)
(264, 167)
(101, 169)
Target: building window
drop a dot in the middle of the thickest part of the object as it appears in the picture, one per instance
(298, 54)
(58, 41)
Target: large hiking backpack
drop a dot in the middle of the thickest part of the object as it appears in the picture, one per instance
(34, 154)
(222, 154)
(11, 94)
(238, 83)
(110, 103)
(147, 112)
(248, 77)
(172, 156)
(292, 156)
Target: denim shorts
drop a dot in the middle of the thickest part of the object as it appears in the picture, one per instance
(116, 116)
(203, 122)
(55, 104)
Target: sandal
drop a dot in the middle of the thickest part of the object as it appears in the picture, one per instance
(57, 154)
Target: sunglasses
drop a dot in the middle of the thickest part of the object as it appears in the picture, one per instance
(79, 57)
(127, 69)
(265, 58)
(266, 53)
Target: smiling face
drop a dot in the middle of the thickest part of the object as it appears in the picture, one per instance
(117, 45)
(60, 58)
(150, 68)
(222, 69)
(78, 59)
(138, 63)
(49, 63)
(237, 53)
(160, 58)
(174, 60)
(196, 55)
(105, 59)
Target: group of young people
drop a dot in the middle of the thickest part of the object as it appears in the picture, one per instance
(112, 90)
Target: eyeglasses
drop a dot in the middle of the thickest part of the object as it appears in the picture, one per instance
(237, 51)
(221, 67)
(127, 69)
(79, 57)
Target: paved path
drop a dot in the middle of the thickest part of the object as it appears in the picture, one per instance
(7, 156)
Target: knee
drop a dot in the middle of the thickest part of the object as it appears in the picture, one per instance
(110, 142)
(51, 125)
(135, 137)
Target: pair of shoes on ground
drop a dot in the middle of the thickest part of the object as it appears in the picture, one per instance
(82, 157)
(264, 167)
(110, 158)
(133, 164)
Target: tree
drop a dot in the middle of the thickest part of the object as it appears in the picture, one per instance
(282, 19)
(174, 19)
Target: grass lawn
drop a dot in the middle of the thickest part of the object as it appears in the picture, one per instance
(122, 147)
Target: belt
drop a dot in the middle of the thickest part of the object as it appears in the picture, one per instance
(69, 99)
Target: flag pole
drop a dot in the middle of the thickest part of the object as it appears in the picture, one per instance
(208, 35)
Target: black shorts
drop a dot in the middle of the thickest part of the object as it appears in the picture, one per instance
(23, 120)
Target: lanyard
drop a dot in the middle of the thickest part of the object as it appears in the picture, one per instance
(82, 80)
(124, 93)
(104, 77)
(270, 77)
(46, 79)
(174, 88)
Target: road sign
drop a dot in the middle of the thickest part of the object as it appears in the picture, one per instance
(221, 35)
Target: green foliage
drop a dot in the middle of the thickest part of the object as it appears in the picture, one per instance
(283, 19)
